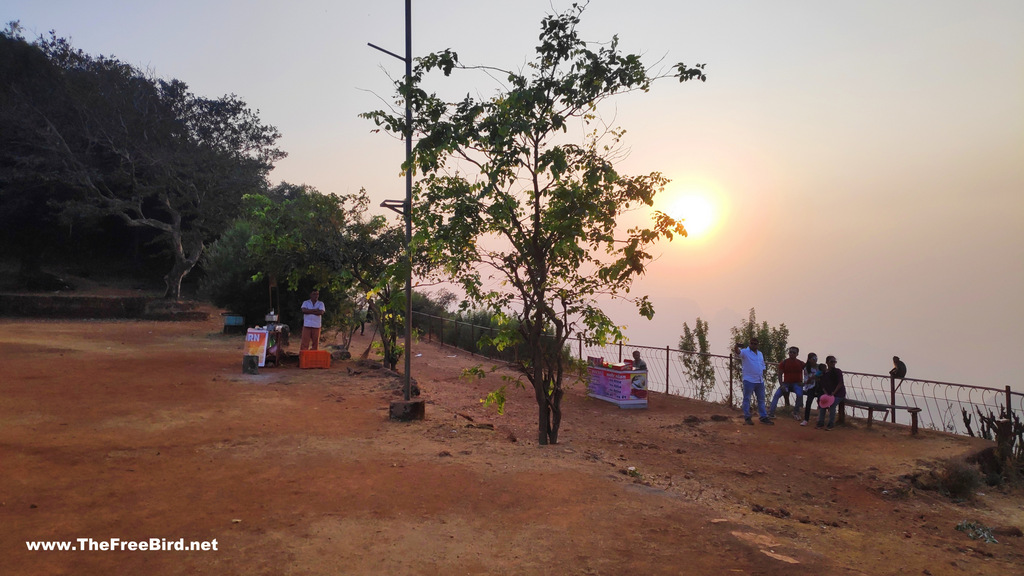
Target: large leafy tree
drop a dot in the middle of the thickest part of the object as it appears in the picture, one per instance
(293, 235)
(29, 185)
(142, 149)
(525, 220)
(275, 244)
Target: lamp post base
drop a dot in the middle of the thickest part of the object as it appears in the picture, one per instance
(250, 364)
(408, 410)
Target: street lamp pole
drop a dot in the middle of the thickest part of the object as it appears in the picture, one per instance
(407, 205)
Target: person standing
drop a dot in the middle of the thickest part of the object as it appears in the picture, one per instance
(791, 379)
(832, 384)
(312, 313)
(753, 364)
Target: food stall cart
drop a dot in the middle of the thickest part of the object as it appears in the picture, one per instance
(617, 383)
(267, 342)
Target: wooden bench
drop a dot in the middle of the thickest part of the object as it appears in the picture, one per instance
(872, 406)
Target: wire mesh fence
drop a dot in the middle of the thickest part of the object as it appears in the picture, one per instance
(955, 408)
(463, 335)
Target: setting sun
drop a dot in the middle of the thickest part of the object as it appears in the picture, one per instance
(696, 212)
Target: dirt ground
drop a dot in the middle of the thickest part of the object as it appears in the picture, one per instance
(138, 430)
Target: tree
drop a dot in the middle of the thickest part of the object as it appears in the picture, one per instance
(230, 279)
(697, 362)
(524, 220)
(269, 246)
(370, 254)
(293, 230)
(29, 224)
(142, 149)
(772, 343)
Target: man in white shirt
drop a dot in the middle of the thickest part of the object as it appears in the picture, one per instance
(753, 381)
(312, 310)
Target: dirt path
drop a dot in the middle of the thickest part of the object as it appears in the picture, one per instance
(140, 430)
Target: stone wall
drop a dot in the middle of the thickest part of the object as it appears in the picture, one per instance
(68, 306)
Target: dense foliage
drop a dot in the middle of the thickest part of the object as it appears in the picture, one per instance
(85, 137)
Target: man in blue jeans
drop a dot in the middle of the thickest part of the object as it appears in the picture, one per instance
(791, 379)
(753, 364)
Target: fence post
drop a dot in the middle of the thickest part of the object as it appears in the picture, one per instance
(730, 380)
(1009, 399)
(620, 350)
(668, 363)
(892, 397)
(580, 338)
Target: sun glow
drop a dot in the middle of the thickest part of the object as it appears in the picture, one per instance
(697, 213)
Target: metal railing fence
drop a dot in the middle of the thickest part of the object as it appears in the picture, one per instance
(956, 408)
(462, 335)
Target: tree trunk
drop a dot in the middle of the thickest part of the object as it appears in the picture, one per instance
(182, 266)
(556, 412)
(544, 414)
(539, 382)
(549, 412)
(172, 282)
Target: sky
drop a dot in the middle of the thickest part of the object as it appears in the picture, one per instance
(860, 164)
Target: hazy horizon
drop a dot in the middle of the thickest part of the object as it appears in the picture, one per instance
(862, 163)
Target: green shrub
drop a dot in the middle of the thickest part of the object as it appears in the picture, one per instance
(977, 531)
